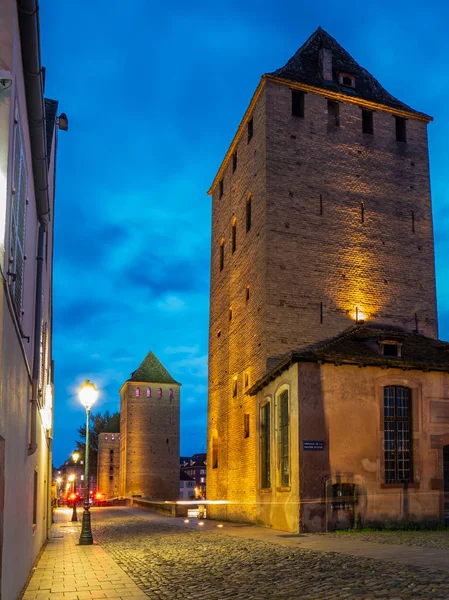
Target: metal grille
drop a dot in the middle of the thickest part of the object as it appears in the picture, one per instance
(265, 471)
(397, 435)
(284, 458)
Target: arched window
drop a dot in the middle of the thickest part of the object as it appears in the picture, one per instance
(137, 392)
(283, 438)
(148, 392)
(221, 254)
(234, 235)
(159, 393)
(265, 447)
(170, 394)
(248, 213)
(398, 434)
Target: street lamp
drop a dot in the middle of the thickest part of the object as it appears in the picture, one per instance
(58, 489)
(72, 480)
(88, 393)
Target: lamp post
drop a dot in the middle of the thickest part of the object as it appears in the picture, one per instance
(87, 394)
(75, 457)
(58, 489)
(73, 497)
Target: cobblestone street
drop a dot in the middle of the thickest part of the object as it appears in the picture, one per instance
(168, 561)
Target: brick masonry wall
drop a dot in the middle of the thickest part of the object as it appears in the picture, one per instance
(150, 441)
(237, 345)
(295, 258)
(108, 464)
(379, 265)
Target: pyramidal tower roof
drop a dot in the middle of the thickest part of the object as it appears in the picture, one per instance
(151, 370)
(306, 67)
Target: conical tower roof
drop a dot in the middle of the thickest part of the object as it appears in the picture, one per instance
(151, 370)
(304, 67)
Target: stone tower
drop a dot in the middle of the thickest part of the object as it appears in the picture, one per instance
(149, 433)
(321, 216)
(108, 464)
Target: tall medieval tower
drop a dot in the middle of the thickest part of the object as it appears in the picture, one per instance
(321, 217)
(149, 433)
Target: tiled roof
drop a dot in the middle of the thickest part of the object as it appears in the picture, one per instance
(184, 477)
(51, 108)
(151, 370)
(304, 67)
(359, 345)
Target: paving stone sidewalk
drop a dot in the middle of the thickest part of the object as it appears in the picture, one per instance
(72, 572)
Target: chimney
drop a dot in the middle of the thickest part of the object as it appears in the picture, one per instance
(325, 56)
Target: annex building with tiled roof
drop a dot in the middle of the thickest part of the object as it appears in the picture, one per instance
(328, 385)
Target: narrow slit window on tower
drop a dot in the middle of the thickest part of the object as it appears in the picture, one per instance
(230, 313)
(333, 113)
(247, 293)
(220, 188)
(234, 386)
(250, 129)
(234, 235)
(234, 161)
(367, 121)
(248, 213)
(246, 425)
(362, 211)
(246, 379)
(170, 393)
(137, 392)
(148, 392)
(401, 131)
(159, 393)
(321, 204)
(321, 312)
(298, 103)
(413, 221)
(221, 254)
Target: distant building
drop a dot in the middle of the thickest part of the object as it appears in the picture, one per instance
(328, 386)
(28, 132)
(108, 465)
(186, 486)
(195, 467)
(149, 433)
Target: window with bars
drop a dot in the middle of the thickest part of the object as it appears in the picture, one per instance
(18, 220)
(265, 455)
(398, 435)
(283, 439)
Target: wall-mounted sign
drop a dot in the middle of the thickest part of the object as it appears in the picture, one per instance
(312, 445)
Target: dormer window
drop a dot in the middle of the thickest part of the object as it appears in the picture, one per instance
(391, 348)
(346, 79)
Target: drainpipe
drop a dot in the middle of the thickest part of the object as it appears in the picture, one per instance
(37, 335)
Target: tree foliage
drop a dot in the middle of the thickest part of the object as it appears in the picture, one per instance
(98, 423)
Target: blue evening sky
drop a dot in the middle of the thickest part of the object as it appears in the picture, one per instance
(154, 92)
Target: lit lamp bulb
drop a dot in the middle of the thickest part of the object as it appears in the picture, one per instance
(75, 457)
(71, 478)
(88, 393)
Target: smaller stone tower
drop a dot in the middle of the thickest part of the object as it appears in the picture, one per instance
(149, 438)
(108, 464)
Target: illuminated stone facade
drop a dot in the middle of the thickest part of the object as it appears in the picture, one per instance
(149, 433)
(320, 215)
(108, 465)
